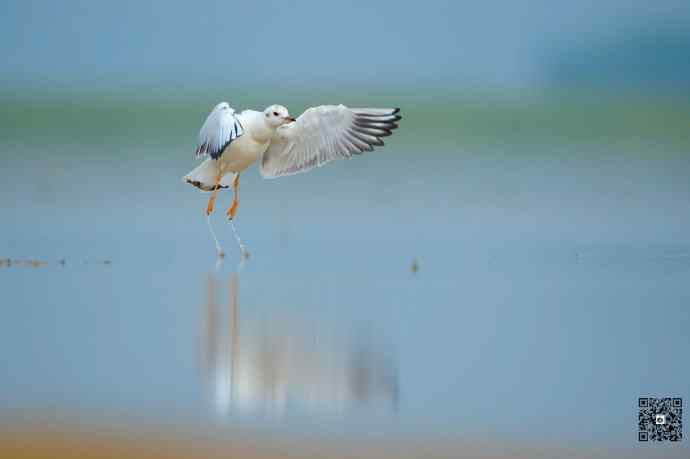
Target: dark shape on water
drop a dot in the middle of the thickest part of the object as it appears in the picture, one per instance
(33, 263)
(39, 263)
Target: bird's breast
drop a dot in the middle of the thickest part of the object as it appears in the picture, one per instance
(242, 153)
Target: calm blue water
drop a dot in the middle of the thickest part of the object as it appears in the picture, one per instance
(552, 290)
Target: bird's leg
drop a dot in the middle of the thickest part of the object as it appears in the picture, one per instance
(212, 199)
(235, 196)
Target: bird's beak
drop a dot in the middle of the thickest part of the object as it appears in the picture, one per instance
(289, 119)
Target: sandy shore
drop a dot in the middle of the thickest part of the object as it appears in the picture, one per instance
(59, 440)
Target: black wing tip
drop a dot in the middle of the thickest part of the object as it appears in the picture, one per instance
(387, 118)
(384, 123)
(200, 151)
(218, 153)
(387, 125)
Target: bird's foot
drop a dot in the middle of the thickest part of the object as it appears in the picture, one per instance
(232, 211)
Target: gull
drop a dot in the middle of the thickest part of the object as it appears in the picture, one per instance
(230, 142)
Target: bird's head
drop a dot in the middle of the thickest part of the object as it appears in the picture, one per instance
(221, 106)
(277, 115)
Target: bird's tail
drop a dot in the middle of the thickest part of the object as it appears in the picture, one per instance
(204, 176)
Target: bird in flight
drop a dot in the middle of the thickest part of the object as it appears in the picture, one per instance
(231, 142)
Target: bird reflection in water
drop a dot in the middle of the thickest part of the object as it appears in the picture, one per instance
(286, 364)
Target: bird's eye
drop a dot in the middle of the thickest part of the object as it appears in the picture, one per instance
(275, 113)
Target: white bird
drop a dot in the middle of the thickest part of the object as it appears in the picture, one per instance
(234, 141)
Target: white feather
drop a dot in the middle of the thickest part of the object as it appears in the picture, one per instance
(218, 131)
(325, 133)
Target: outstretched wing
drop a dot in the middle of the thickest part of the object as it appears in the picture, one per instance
(219, 130)
(322, 134)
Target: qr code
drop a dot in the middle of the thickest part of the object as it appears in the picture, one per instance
(660, 419)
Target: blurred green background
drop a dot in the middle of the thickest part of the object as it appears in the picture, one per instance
(645, 123)
(465, 74)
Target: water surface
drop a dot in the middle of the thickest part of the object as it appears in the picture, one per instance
(527, 292)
